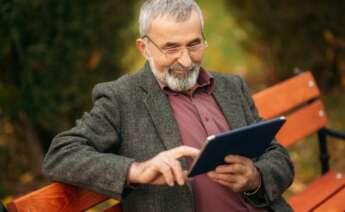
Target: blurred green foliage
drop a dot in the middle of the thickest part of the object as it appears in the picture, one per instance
(307, 34)
(53, 52)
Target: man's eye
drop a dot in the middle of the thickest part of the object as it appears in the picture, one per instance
(194, 45)
(171, 50)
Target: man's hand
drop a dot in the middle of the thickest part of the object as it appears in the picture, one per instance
(164, 168)
(239, 174)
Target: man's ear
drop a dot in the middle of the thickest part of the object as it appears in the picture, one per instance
(141, 46)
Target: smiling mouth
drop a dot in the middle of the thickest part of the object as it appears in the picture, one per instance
(180, 71)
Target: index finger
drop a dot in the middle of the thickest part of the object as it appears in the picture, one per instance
(184, 151)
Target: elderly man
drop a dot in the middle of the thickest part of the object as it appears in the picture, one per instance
(134, 142)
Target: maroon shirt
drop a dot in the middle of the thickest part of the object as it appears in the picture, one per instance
(199, 116)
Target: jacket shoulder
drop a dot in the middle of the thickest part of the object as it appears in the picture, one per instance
(123, 85)
(230, 81)
(228, 77)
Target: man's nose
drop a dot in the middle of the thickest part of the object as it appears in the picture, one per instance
(185, 59)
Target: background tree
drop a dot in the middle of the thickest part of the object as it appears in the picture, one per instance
(51, 55)
(306, 34)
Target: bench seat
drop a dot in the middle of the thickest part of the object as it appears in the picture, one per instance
(318, 192)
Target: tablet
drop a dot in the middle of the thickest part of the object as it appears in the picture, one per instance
(250, 141)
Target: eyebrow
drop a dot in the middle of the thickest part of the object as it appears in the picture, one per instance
(195, 40)
(170, 44)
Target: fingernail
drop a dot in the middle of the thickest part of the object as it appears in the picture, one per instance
(228, 159)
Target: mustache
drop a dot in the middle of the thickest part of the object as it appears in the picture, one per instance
(179, 67)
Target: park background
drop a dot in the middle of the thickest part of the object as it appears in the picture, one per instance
(52, 53)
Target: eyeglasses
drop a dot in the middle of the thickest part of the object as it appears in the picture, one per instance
(174, 52)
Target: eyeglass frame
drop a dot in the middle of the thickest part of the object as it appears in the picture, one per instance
(203, 44)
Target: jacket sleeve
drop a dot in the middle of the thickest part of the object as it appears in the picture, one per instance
(81, 156)
(274, 165)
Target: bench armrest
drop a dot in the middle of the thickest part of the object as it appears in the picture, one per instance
(57, 197)
(334, 133)
(324, 156)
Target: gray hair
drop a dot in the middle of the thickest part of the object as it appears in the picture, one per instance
(179, 9)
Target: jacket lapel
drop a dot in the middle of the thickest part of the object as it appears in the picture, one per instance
(229, 101)
(159, 108)
(161, 114)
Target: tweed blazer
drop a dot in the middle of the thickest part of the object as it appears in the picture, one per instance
(131, 120)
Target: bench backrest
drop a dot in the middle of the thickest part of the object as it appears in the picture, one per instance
(297, 98)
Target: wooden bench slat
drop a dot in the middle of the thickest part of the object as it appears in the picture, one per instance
(318, 192)
(336, 203)
(301, 123)
(286, 95)
(57, 197)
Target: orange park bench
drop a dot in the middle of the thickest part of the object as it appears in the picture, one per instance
(297, 98)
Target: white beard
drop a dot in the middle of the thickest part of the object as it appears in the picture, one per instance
(176, 82)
